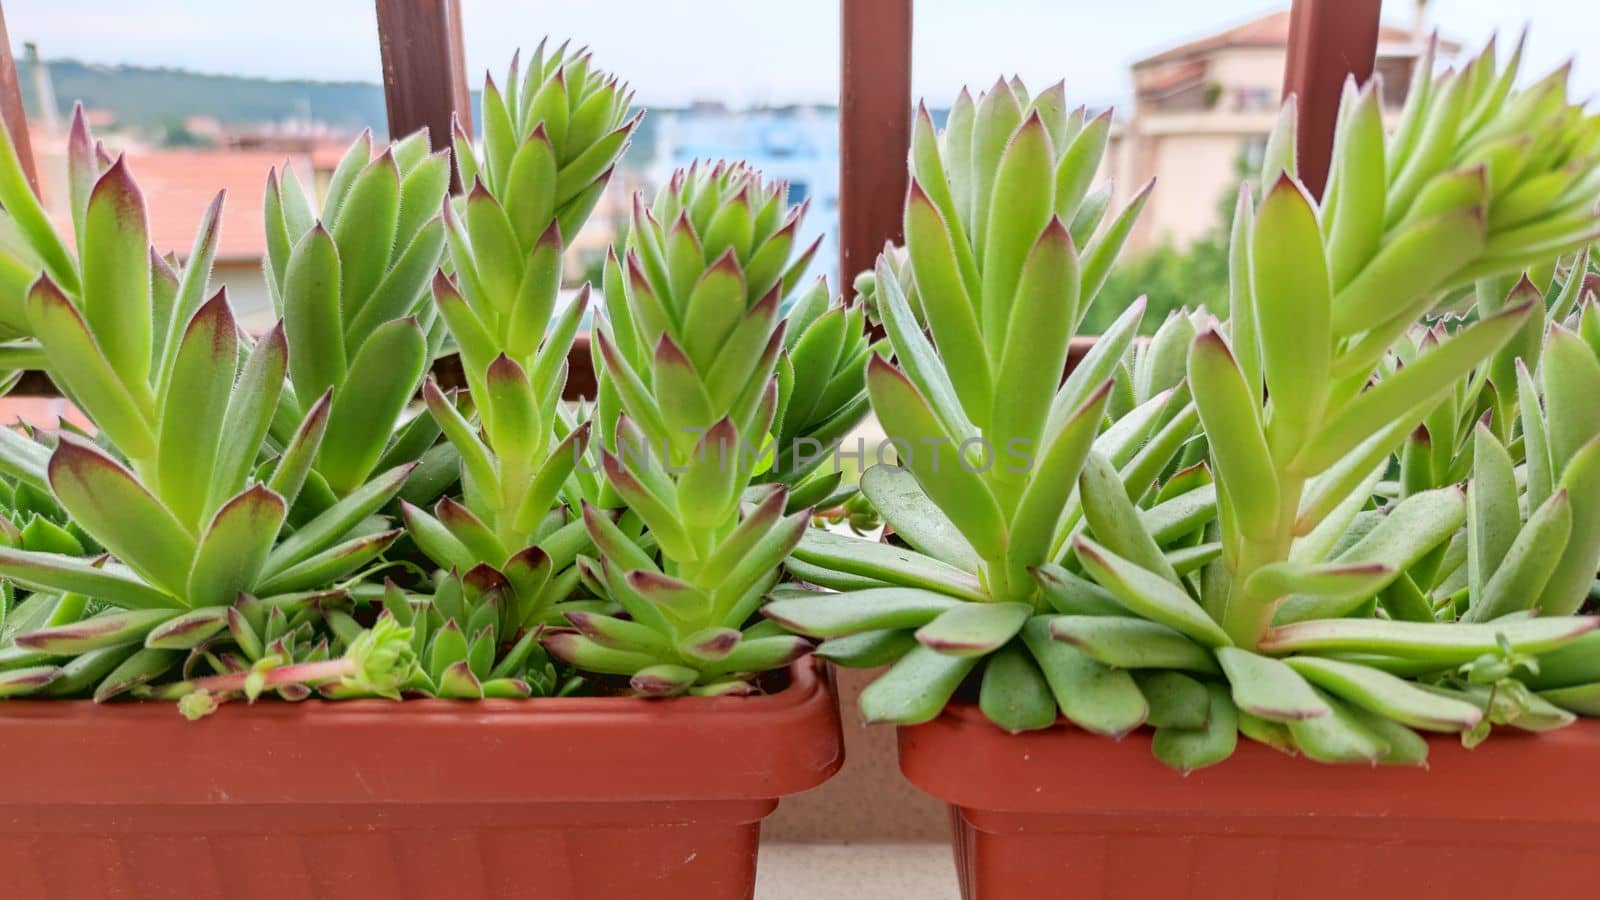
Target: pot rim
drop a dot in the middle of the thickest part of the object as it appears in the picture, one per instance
(573, 750)
(963, 759)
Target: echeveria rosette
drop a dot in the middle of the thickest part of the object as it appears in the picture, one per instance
(190, 500)
(470, 641)
(377, 663)
(201, 550)
(1469, 437)
(727, 211)
(549, 141)
(1567, 304)
(1484, 182)
(990, 438)
(687, 610)
(1479, 182)
(350, 283)
(1560, 449)
(688, 347)
(706, 273)
(1483, 432)
(105, 324)
(1533, 543)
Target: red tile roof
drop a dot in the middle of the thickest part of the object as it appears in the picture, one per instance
(40, 412)
(1170, 77)
(179, 184)
(325, 156)
(1270, 30)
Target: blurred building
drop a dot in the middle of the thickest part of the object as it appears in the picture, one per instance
(607, 224)
(178, 183)
(799, 145)
(1202, 107)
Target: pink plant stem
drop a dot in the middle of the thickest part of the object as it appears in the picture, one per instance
(300, 673)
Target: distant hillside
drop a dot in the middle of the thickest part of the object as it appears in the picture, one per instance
(156, 97)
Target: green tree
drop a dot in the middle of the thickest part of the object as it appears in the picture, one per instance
(1172, 278)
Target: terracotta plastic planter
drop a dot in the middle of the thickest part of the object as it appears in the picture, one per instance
(573, 799)
(1062, 813)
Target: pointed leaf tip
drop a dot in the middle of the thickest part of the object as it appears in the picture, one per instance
(1056, 232)
(916, 194)
(1286, 182)
(443, 287)
(503, 368)
(669, 353)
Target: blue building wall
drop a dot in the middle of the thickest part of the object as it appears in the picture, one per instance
(800, 146)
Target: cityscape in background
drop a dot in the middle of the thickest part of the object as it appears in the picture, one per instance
(1197, 123)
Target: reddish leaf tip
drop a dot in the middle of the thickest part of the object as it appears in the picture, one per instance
(916, 194)
(551, 236)
(1056, 232)
(504, 369)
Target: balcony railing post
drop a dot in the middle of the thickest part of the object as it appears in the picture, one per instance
(424, 68)
(1328, 41)
(11, 108)
(874, 128)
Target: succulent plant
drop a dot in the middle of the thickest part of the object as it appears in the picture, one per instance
(1482, 434)
(1537, 550)
(822, 396)
(866, 284)
(550, 143)
(1270, 588)
(216, 539)
(990, 439)
(29, 243)
(350, 285)
(737, 219)
(30, 517)
(689, 350)
(550, 140)
(378, 662)
(704, 277)
(471, 643)
(198, 544)
(181, 488)
(1360, 502)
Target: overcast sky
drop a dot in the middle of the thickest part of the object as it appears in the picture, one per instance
(738, 51)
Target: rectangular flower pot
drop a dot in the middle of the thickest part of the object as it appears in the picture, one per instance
(1063, 813)
(554, 799)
